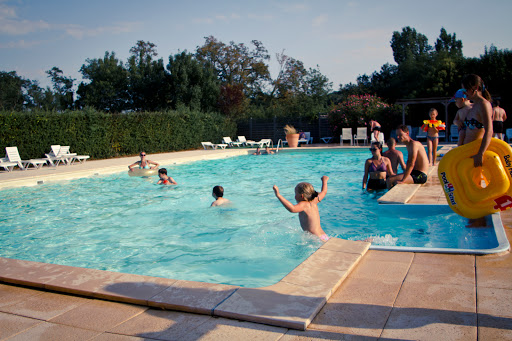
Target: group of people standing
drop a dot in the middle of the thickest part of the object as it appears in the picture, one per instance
(475, 120)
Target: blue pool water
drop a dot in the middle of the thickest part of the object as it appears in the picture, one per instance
(131, 225)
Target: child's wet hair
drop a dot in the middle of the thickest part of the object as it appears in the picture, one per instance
(307, 190)
(162, 171)
(218, 191)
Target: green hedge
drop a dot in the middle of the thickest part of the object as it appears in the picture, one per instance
(103, 135)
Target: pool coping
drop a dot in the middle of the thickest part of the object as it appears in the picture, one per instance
(293, 302)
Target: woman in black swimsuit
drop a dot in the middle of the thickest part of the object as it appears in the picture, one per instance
(378, 167)
(478, 121)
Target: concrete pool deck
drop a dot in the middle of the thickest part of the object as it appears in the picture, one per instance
(386, 295)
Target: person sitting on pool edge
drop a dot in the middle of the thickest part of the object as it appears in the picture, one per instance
(143, 163)
(378, 167)
(307, 200)
(417, 161)
(164, 179)
(218, 194)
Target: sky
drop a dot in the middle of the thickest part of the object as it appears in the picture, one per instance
(344, 39)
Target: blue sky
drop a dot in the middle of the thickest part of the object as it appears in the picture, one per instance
(344, 38)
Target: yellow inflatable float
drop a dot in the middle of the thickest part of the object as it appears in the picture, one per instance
(476, 192)
(143, 172)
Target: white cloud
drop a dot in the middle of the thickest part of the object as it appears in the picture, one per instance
(320, 20)
(21, 44)
(79, 32)
(10, 24)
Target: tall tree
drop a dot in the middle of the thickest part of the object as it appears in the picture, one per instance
(63, 88)
(192, 83)
(148, 83)
(107, 89)
(11, 91)
(409, 44)
(236, 64)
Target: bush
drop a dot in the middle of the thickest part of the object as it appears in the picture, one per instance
(357, 111)
(104, 135)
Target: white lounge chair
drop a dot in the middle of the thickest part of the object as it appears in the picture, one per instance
(260, 144)
(227, 140)
(213, 145)
(8, 166)
(361, 135)
(242, 140)
(454, 133)
(346, 134)
(80, 158)
(381, 138)
(58, 155)
(13, 155)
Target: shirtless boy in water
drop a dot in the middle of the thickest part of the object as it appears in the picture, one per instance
(218, 194)
(307, 200)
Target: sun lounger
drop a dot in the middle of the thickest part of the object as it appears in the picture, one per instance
(8, 166)
(79, 158)
(13, 155)
(208, 144)
(260, 144)
(58, 155)
(227, 140)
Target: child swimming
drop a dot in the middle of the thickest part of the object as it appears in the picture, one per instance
(164, 179)
(307, 199)
(218, 194)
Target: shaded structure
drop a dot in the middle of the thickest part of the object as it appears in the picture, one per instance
(443, 100)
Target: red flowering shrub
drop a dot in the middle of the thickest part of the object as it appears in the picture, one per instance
(357, 111)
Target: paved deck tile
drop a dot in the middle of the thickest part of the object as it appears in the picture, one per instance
(49, 332)
(98, 315)
(448, 274)
(45, 306)
(428, 324)
(10, 295)
(12, 324)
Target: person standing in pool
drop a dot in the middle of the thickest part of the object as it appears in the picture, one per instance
(143, 163)
(378, 167)
(164, 178)
(307, 200)
(395, 156)
(218, 194)
(417, 161)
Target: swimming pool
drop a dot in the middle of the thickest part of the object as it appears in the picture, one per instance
(131, 225)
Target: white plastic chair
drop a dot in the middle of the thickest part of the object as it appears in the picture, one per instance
(346, 134)
(381, 138)
(361, 135)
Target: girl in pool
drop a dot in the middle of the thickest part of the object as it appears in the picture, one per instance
(143, 163)
(378, 167)
(307, 199)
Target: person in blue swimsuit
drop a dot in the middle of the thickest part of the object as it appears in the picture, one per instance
(143, 163)
(377, 167)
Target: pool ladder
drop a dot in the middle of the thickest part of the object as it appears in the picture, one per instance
(277, 147)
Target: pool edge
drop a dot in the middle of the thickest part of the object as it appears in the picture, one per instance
(293, 302)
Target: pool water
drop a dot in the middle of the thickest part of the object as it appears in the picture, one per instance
(131, 225)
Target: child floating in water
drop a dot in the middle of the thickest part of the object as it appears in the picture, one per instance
(307, 199)
(218, 194)
(164, 179)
